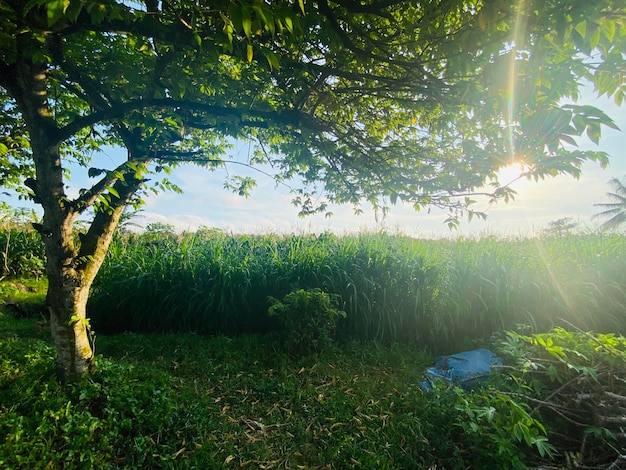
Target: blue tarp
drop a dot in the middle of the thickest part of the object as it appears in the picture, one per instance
(464, 369)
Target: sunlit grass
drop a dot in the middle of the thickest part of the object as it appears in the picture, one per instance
(443, 294)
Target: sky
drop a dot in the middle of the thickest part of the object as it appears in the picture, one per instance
(269, 209)
(205, 203)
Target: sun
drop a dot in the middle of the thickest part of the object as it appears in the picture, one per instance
(513, 175)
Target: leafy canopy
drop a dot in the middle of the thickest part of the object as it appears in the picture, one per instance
(383, 100)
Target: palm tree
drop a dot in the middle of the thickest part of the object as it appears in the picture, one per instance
(615, 211)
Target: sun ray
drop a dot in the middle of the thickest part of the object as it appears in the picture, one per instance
(518, 32)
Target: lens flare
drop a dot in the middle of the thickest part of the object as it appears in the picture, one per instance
(519, 30)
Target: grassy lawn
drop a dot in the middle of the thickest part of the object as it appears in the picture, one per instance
(190, 401)
(200, 401)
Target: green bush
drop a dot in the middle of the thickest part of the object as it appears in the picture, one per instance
(573, 382)
(308, 319)
(500, 429)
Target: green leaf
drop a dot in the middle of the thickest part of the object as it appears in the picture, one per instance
(568, 139)
(606, 120)
(56, 10)
(594, 39)
(593, 132)
(113, 191)
(249, 52)
(73, 11)
(581, 28)
(579, 123)
(272, 59)
(246, 21)
(197, 38)
(609, 30)
(241, 185)
(289, 23)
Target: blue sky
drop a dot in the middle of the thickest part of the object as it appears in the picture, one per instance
(269, 210)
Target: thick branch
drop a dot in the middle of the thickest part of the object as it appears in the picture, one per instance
(95, 243)
(86, 200)
(248, 116)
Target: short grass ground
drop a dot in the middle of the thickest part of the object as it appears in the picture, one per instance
(194, 401)
(188, 401)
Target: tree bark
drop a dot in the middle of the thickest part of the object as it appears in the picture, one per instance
(70, 276)
(67, 302)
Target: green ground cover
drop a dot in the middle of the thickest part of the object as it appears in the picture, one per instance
(194, 401)
(187, 401)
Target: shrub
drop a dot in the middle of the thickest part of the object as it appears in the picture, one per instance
(308, 319)
(500, 429)
(574, 381)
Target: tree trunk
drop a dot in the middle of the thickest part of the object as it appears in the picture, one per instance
(70, 276)
(67, 302)
(71, 264)
(68, 287)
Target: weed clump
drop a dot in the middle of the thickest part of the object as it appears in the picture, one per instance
(308, 319)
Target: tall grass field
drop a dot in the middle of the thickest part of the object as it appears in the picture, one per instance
(440, 294)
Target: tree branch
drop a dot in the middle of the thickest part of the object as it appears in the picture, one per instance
(427, 78)
(216, 161)
(95, 242)
(251, 117)
(89, 197)
(91, 88)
